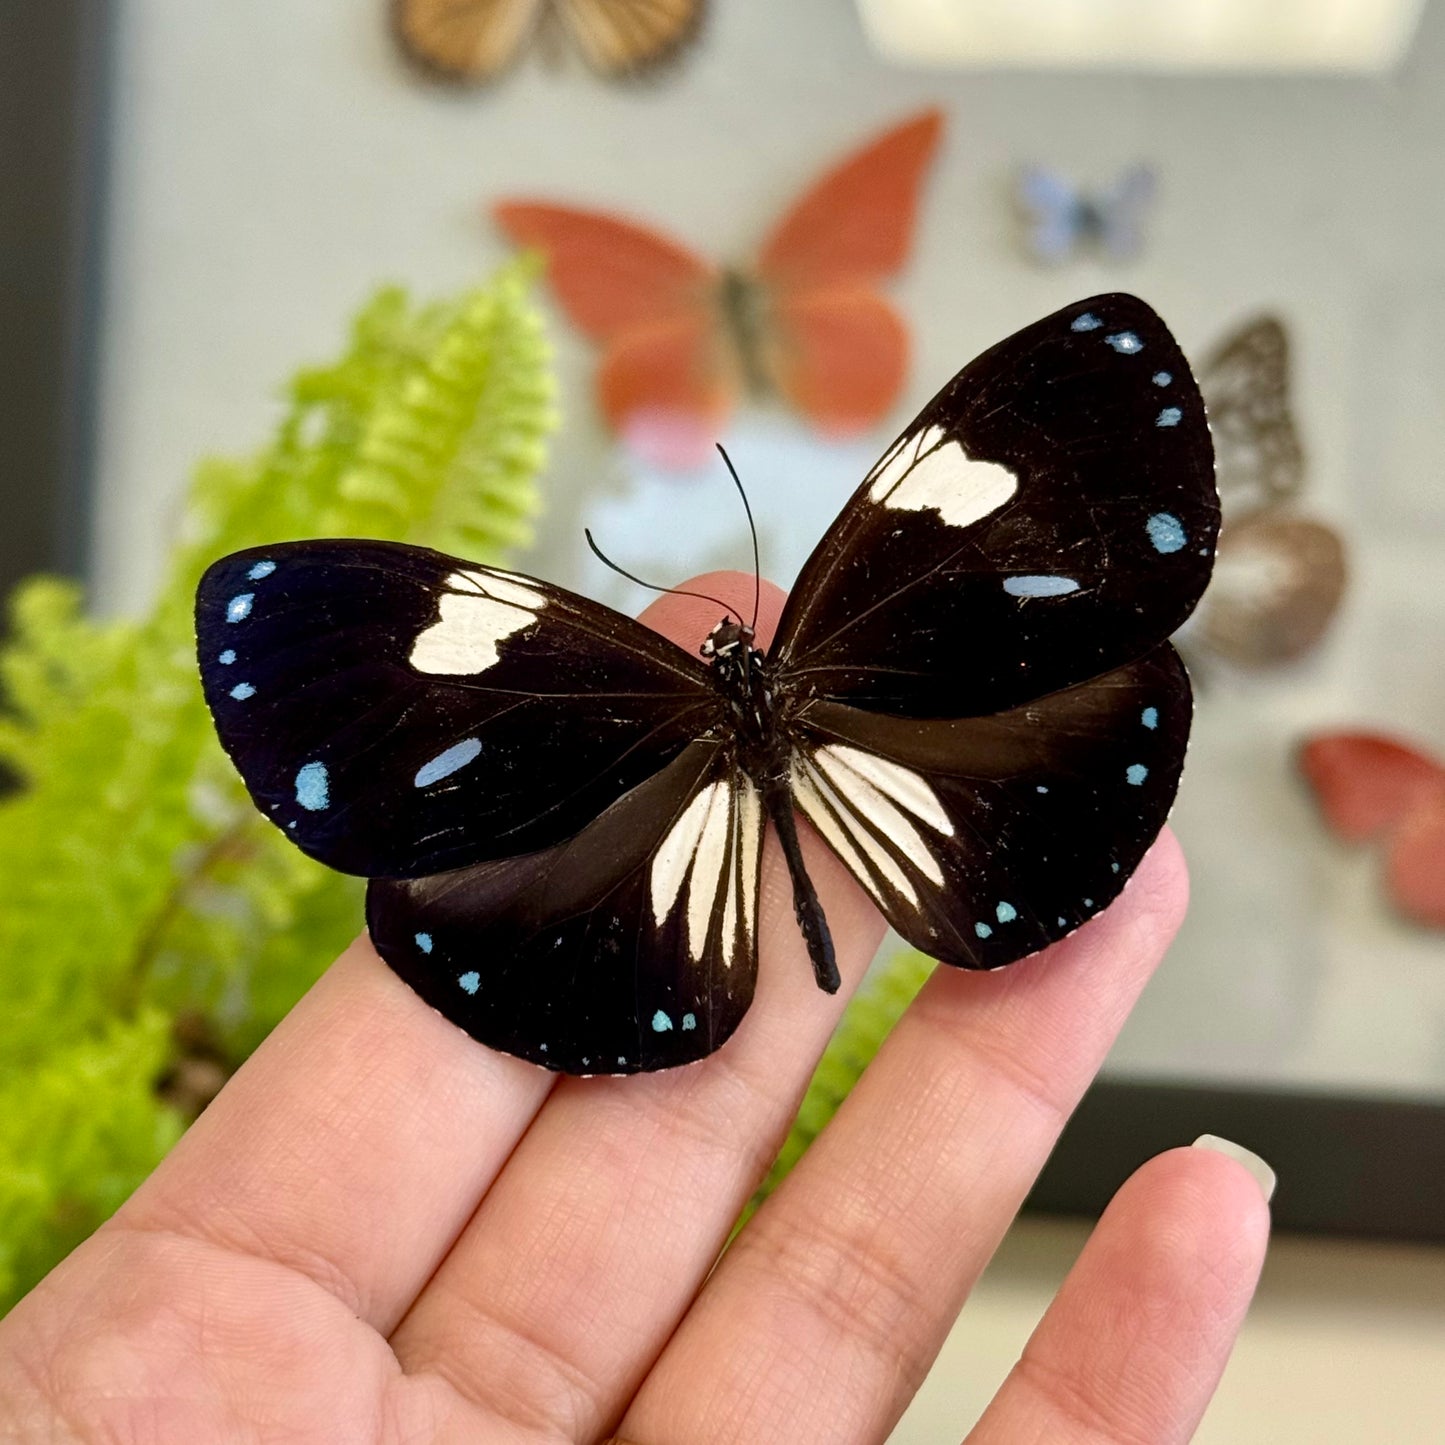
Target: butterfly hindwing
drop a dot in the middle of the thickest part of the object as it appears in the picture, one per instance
(1370, 786)
(477, 40)
(985, 839)
(1048, 517)
(400, 712)
(840, 357)
(631, 946)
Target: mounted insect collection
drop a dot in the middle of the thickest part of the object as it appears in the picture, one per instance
(1020, 552)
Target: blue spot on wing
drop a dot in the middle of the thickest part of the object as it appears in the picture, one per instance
(242, 691)
(1087, 322)
(1039, 586)
(1150, 717)
(1136, 773)
(1162, 378)
(260, 570)
(227, 657)
(313, 787)
(448, 762)
(1170, 416)
(470, 981)
(1166, 532)
(1125, 343)
(423, 942)
(689, 1021)
(983, 930)
(239, 607)
(660, 1022)
(1005, 913)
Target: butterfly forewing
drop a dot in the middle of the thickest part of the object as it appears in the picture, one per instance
(631, 946)
(400, 712)
(1048, 517)
(984, 839)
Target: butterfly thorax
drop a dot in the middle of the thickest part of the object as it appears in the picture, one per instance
(759, 727)
(744, 307)
(740, 673)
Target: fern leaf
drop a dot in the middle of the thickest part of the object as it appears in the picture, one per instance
(137, 883)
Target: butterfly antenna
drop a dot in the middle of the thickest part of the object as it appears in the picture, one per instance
(757, 567)
(652, 586)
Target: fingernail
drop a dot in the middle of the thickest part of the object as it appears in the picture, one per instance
(1263, 1174)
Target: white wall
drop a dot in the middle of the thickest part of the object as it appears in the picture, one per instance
(275, 160)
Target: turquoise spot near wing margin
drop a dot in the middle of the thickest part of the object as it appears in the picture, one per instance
(313, 787)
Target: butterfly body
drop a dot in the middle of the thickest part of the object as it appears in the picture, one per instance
(1062, 220)
(969, 697)
(682, 338)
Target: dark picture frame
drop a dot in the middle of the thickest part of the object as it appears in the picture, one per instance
(1372, 1166)
(54, 89)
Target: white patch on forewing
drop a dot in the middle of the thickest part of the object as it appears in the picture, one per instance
(926, 473)
(504, 586)
(904, 786)
(477, 614)
(838, 822)
(672, 860)
(861, 798)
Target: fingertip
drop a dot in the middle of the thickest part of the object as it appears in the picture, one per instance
(1204, 1195)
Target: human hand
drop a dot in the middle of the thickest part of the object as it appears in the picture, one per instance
(382, 1231)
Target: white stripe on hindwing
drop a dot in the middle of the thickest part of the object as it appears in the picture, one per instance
(862, 805)
(711, 851)
(839, 825)
(674, 857)
(707, 869)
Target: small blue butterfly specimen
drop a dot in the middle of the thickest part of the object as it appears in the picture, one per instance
(1062, 220)
(970, 697)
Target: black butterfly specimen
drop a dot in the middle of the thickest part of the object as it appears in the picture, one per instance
(969, 697)
(477, 40)
(1280, 575)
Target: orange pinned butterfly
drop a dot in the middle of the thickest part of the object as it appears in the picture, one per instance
(1372, 787)
(682, 338)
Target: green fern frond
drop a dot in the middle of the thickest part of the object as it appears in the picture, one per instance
(137, 883)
